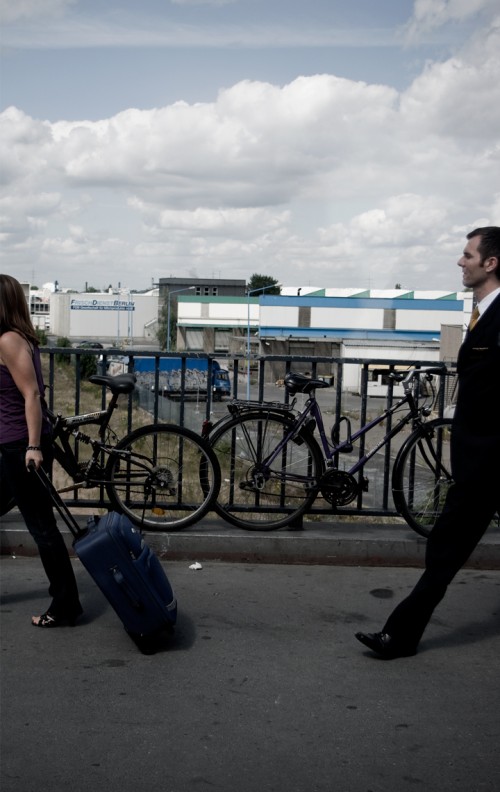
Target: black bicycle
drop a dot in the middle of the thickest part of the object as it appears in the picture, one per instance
(273, 468)
(162, 476)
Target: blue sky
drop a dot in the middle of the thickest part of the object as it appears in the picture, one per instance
(323, 142)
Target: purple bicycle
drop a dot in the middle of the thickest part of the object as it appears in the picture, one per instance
(273, 467)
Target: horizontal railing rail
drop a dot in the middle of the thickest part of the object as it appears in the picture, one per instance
(67, 370)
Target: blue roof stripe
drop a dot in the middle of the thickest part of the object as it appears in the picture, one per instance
(340, 333)
(373, 303)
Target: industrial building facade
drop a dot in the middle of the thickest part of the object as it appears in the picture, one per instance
(328, 323)
(400, 325)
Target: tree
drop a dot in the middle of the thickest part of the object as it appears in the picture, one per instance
(262, 282)
(163, 329)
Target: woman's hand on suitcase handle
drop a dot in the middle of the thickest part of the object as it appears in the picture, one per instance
(34, 458)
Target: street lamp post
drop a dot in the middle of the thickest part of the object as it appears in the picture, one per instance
(249, 293)
(176, 291)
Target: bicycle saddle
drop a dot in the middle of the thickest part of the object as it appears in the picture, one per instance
(299, 383)
(122, 383)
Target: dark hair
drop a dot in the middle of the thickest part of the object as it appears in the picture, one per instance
(489, 246)
(14, 311)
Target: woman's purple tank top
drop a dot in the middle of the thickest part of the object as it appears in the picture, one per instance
(12, 413)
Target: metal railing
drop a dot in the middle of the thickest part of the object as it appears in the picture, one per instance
(66, 371)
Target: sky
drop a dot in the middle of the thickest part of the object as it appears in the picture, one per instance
(321, 142)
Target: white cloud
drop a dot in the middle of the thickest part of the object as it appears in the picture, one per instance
(13, 10)
(458, 99)
(26, 214)
(213, 222)
(324, 179)
(430, 15)
(258, 144)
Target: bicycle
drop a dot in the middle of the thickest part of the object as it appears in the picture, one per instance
(162, 476)
(273, 468)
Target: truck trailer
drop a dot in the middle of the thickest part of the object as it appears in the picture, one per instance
(170, 375)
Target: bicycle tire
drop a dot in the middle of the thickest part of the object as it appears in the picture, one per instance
(158, 484)
(421, 475)
(240, 444)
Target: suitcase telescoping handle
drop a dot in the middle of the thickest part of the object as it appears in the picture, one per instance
(58, 502)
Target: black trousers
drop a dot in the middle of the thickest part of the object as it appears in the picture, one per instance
(35, 505)
(469, 508)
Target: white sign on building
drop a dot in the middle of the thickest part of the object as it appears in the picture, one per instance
(104, 317)
(102, 305)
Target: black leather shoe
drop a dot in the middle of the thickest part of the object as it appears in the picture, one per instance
(385, 646)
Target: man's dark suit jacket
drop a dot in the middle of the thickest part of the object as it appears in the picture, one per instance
(476, 430)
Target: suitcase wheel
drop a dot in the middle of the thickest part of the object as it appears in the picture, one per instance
(151, 643)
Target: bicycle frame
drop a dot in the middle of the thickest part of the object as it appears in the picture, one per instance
(311, 412)
(331, 452)
(64, 454)
(67, 458)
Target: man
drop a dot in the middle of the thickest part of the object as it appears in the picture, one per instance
(475, 455)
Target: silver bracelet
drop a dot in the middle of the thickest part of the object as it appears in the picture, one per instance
(33, 448)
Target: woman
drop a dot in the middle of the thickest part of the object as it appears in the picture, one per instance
(25, 439)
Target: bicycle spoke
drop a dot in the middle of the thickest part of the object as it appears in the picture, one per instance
(262, 490)
(422, 476)
(156, 478)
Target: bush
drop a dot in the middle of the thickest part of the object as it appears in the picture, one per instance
(42, 336)
(88, 366)
(88, 363)
(64, 343)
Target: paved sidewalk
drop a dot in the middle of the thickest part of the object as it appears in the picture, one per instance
(262, 688)
(340, 542)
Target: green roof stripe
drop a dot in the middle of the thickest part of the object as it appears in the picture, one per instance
(216, 298)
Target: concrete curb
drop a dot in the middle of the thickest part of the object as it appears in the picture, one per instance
(341, 543)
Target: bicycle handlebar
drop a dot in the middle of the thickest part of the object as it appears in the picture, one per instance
(406, 377)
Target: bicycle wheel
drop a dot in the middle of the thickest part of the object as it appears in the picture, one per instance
(421, 475)
(154, 477)
(257, 496)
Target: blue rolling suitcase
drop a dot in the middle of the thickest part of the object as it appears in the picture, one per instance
(127, 571)
(129, 574)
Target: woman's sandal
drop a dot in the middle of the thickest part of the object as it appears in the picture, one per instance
(49, 620)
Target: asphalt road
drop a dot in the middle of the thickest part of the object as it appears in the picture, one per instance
(263, 687)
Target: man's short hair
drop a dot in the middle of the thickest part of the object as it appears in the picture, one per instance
(489, 245)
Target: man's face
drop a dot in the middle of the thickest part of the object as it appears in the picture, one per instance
(474, 273)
